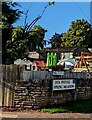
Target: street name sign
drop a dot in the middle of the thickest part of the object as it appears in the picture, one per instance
(64, 84)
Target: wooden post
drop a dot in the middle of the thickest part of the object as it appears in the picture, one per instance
(21, 69)
(7, 84)
(14, 82)
(52, 94)
(1, 85)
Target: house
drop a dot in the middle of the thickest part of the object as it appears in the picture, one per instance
(61, 52)
(78, 50)
(24, 62)
(33, 55)
(38, 65)
(36, 55)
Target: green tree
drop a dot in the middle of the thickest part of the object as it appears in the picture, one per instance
(21, 45)
(16, 47)
(20, 40)
(37, 35)
(79, 34)
(9, 16)
(55, 40)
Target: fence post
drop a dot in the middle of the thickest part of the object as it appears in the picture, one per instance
(21, 75)
(1, 85)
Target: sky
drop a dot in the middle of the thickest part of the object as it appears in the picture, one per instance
(58, 17)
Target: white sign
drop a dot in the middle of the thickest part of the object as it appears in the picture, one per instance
(58, 72)
(64, 84)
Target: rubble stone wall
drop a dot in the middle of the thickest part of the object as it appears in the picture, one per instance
(35, 94)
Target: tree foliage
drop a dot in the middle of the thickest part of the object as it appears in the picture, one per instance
(16, 47)
(37, 34)
(9, 16)
(79, 34)
(55, 40)
(19, 45)
(19, 40)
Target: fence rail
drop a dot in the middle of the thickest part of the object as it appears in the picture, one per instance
(42, 75)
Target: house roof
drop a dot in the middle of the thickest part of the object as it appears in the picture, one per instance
(75, 50)
(39, 63)
(61, 49)
(36, 55)
(78, 50)
(22, 62)
(66, 49)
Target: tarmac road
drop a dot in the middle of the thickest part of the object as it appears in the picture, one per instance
(42, 116)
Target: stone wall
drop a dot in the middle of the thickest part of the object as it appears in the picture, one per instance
(34, 94)
(83, 91)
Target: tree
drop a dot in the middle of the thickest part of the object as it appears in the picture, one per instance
(20, 40)
(20, 46)
(9, 16)
(37, 34)
(79, 34)
(16, 47)
(55, 40)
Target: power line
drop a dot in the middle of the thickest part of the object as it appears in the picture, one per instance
(81, 10)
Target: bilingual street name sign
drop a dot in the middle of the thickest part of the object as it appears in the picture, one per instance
(64, 84)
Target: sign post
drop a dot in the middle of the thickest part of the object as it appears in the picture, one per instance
(64, 84)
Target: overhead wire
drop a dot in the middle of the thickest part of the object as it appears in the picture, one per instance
(82, 11)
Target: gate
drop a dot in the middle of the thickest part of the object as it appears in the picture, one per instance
(9, 75)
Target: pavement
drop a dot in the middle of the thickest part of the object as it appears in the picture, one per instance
(36, 114)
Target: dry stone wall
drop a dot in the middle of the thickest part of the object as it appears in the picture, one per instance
(35, 94)
(32, 94)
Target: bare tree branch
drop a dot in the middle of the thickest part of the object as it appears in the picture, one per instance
(40, 16)
(28, 27)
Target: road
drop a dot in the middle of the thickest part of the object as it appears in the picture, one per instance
(40, 115)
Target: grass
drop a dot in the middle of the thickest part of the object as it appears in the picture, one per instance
(54, 110)
(84, 106)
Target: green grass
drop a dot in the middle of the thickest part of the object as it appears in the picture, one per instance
(54, 110)
(84, 106)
